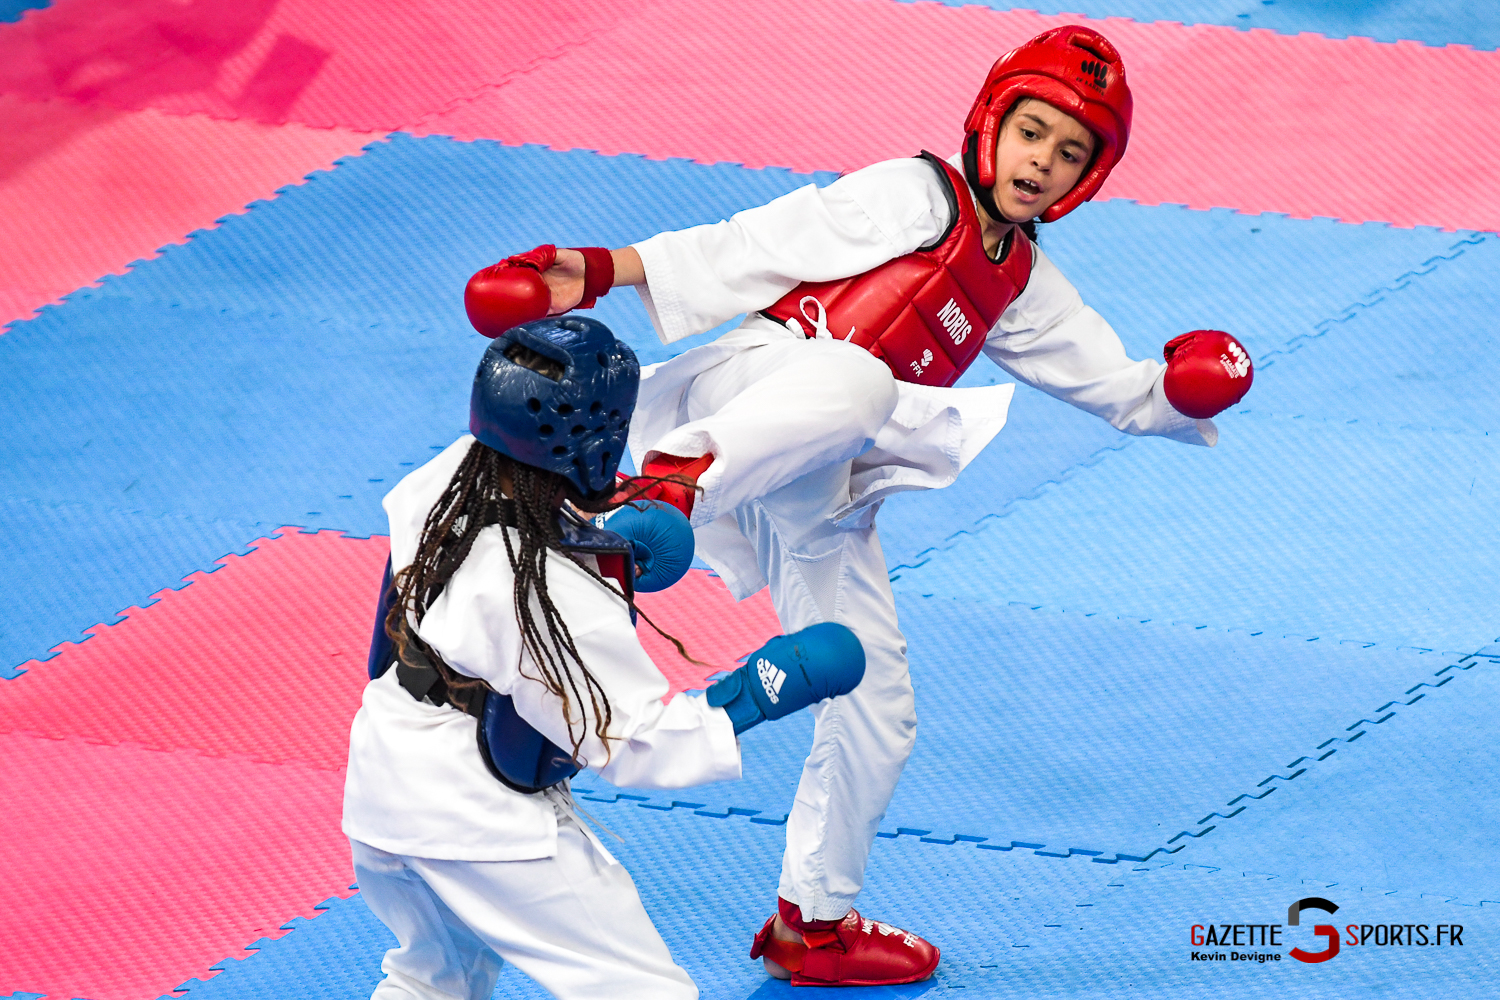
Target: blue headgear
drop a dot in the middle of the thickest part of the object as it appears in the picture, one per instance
(574, 425)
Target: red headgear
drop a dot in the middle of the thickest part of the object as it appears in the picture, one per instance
(1074, 69)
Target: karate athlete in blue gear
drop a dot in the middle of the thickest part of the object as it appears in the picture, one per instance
(508, 621)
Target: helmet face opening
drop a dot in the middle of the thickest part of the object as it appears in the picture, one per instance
(1074, 69)
(558, 394)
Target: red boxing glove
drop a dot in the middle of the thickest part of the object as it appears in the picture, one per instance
(1207, 372)
(511, 292)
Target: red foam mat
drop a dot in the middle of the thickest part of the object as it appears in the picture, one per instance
(173, 784)
(1250, 120)
(348, 63)
(700, 613)
(85, 190)
(128, 870)
(263, 658)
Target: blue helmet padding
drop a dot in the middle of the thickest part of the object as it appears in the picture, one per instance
(574, 426)
(661, 538)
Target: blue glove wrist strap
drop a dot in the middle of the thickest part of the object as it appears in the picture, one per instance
(732, 694)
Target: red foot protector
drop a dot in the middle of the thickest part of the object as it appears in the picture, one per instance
(128, 870)
(854, 951)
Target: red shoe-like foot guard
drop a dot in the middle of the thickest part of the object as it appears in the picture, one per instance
(669, 479)
(850, 952)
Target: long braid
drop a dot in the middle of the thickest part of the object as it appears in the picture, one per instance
(536, 495)
(470, 503)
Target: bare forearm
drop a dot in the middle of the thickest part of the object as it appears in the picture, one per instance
(628, 267)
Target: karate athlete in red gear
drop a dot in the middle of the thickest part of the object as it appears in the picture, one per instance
(867, 299)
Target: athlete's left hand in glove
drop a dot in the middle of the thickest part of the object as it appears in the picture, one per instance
(790, 673)
(661, 538)
(543, 281)
(1208, 371)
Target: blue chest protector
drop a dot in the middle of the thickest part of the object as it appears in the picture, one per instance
(512, 749)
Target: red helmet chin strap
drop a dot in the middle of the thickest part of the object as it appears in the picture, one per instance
(1074, 69)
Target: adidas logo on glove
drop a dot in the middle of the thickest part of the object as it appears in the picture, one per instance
(771, 678)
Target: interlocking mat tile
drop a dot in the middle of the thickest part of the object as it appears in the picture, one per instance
(1210, 125)
(1322, 512)
(371, 67)
(86, 189)
(264, 659)
(128, 869)
(1064, 732)
(1441, 23)
(79, 565)
(1410, 808)
(792, 70)
(1142, 929)
(1327, 530)
(709, 883)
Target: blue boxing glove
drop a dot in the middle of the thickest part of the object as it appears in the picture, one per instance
(661, 538)
(790, 673)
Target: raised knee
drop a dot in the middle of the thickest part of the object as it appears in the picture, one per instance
(872, 386)
(863, 380)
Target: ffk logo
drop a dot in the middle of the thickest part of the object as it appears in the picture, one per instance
(921, 366)
(1098, 70)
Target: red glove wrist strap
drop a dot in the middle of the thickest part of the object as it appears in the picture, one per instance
(598, 274)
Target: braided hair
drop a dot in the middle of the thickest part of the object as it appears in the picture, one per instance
(473, 500)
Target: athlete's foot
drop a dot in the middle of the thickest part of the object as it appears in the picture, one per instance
(781, 932)
(849, 952)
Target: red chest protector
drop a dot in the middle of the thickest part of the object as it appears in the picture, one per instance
(925, 314)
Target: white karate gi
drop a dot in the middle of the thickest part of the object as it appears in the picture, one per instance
(810, 436)
(467, 872)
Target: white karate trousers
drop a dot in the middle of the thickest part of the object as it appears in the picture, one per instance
(785, 419)
(573, 922)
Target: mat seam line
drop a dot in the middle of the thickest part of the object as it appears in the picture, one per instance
(1370, 299)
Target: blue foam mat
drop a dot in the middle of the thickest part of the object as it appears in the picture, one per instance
(315, 334)
(1291, 526)
(1441, 23)
(1063, 732)
(1347, 499)
(709, 884)
(79, 565)
(1419, 353)
(392, 235)
(1411, 809)
(13, 10)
